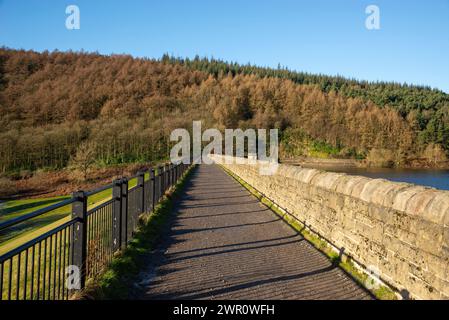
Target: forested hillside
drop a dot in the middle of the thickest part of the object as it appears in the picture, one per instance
(122, 109)
(425, 108)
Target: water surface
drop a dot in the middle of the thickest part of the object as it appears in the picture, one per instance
(427, 177)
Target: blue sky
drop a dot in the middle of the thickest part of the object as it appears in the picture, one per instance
(317, 36)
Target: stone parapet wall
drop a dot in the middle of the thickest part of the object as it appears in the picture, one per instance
(399, 229)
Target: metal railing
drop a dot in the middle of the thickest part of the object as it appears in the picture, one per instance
(57, 261)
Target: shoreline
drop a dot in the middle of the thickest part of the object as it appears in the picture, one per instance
(414, 164)
(346, 163)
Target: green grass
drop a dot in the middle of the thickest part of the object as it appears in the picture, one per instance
(14, 208)
(116, 282)
(19, 234)
(320, 149)
(381, 292)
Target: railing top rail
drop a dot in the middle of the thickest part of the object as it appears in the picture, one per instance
(100, 206)
(38, 239)
(34, 214)
(133, 188)
(132, 177)
(98, 190)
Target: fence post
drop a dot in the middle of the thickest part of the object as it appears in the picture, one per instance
(180, 170)
(170, 174)
(156, 185)
(152, 188)
(161, 175)
(162, 180)
(117, 214)
(124, 217)
(175, 172)
(79, 211)
(167, 177)
(167, 169)
(141, 185)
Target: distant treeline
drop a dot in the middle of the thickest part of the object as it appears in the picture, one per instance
(51, 103)
(426, 108)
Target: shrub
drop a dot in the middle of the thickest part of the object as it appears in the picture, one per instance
(7, 188)
(434, 153)
(380, 158)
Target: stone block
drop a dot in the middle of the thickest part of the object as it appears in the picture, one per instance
(326, 180)
(438, 208)
(403, 196)
(305, 175)
(418, 203)
(360, 186)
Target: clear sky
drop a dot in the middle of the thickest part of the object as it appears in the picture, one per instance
(317, 36)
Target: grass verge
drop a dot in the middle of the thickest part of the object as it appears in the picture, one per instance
(117, 280)
(381, 292)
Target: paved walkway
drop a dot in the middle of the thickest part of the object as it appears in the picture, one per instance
(224, 244)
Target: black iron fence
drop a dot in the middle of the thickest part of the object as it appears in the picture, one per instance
(55, 261)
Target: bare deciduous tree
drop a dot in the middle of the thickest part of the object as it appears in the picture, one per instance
(84, 159)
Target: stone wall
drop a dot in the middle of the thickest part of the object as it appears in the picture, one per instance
(400, 229)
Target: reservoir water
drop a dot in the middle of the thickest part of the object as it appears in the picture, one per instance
(438, 179)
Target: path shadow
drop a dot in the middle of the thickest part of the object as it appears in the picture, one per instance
(184, 231)
(219, 214)
(264, 246)
(242, 286)
(184, 206)
(237, 244)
